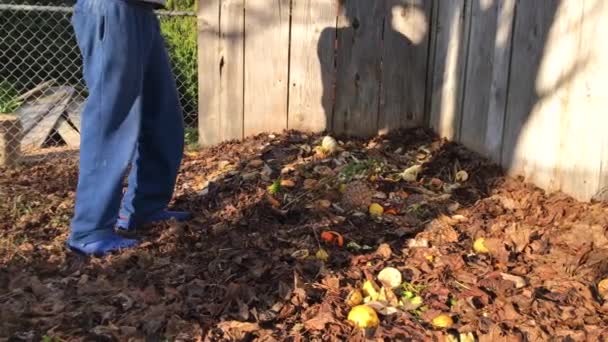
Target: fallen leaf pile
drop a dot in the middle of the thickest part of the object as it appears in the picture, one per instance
(314, 238)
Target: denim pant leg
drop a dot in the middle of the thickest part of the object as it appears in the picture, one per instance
(161, 142)
(115, 48)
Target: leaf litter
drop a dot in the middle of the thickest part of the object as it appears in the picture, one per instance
(292, 232)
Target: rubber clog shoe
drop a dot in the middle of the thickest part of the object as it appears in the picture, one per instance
(106, 245)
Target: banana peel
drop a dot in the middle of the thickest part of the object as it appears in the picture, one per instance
(411, 173)
(370, 290)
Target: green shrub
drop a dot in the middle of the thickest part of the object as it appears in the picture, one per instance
(8, 98)
(180, 37)
(181, 5)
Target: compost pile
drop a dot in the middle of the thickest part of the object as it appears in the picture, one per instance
(305, 238)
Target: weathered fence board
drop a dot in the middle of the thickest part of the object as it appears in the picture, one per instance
(404, 63)
(266, 65)
(209, 72)
(232, 52)
(532, 130)
(486, 75)
(448, 67)
(312, 71)
(358, 67)
(580, 166)
(500, 80)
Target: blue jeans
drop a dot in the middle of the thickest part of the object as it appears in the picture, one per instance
(132, 117)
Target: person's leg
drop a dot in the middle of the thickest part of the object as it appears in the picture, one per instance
(114, 50)
(161, 141)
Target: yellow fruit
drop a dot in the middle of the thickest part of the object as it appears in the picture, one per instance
(370, 290)
(363, 317)
(354, 298)
(390, 277)
(602, 288)
(342, 188)
(479, 246)
(376, 209)
(443, 321)
(322, 255)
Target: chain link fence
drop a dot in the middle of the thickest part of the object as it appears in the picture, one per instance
(41, 87)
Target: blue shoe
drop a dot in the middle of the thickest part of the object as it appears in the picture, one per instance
(109, 244)
(165, 215)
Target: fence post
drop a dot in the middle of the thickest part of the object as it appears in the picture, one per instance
(10, 139)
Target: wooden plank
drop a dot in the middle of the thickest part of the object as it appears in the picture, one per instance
(209, 72)
(404, 63)
(448, 70)
(266, 65)
(542, 53)
(232, 40)
(500, 80)
(38, 134)
(583, 81)
(312, 64)
(74, 110)
(596, 27)
(431, 62)
(487, 76)
(68, 133)
(34, 109)
(479, 74)
(358, 67)
(10, 140)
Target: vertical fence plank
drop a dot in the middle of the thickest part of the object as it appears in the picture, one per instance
(599, 32)
(500, 78)
(487, 74)
(584, 79)
(358, 67)
(433, 27)
(480, 63)
(208, 72)
(266, 65)
(231, 69)
(545, 48)
(312, 70)
(448, 70)
(404, 63)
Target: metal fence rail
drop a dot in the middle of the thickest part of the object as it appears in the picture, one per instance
(41, 85)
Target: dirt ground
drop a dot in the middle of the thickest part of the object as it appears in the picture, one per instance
(257, 262)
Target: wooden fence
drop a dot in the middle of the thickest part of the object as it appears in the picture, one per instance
(524, 83)
(270, 65)
(520, 81)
